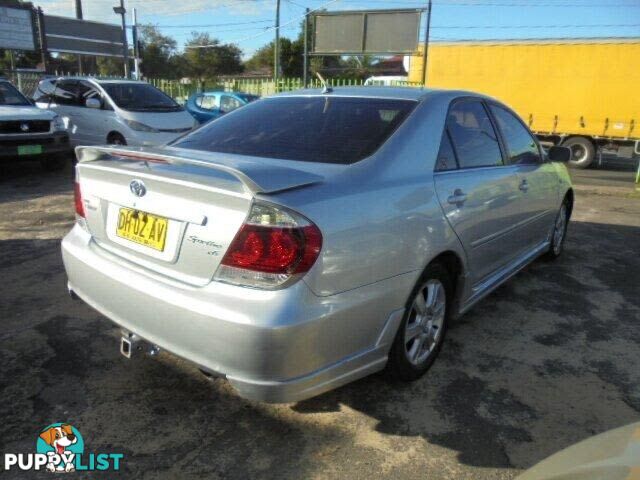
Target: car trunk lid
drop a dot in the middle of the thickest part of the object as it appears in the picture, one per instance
(188, 206)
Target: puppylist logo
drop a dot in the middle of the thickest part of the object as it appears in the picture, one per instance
(60, 449)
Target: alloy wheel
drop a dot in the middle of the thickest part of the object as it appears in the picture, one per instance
(424, 327)
(560, 229)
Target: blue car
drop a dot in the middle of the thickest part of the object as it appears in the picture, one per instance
(209, 105)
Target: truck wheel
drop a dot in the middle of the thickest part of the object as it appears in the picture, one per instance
(582, 151)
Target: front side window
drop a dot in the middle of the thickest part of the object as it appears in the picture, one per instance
(65, 92)
(87, 91)
(323, 129)
(207, 102)
(521, 146)
(139, 97)
(9, 95)
(474, 138)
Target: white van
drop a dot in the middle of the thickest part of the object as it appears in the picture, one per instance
(117, 112)
(386, 81)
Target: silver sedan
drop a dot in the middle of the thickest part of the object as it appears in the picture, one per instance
(313, 238)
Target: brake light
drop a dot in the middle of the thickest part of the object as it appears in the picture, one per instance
(273, 246)
(77, 196)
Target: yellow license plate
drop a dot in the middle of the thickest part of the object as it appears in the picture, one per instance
(142, 228)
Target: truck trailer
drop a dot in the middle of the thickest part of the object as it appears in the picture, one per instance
(580, 93)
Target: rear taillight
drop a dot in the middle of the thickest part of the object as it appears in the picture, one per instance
(78, 200)
(273, 247)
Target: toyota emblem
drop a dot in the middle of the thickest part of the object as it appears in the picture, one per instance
(24, 127)
(137, 188)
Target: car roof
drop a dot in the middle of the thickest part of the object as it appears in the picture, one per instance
(96, 79)
(400, 93)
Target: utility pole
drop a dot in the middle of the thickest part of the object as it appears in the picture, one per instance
(426, 46)
(42, 38)
(276, 48)
(305, 63)
(79, 17)
(136, 50)
(125, 49)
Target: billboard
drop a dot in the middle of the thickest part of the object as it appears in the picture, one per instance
(17, 31)
(366, 32)
(82, 37)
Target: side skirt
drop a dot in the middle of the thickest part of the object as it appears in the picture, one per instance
(485, 287)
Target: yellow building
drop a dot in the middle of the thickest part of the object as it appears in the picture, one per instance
(564, 89)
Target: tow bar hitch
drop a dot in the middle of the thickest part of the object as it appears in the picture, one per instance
(131, 345)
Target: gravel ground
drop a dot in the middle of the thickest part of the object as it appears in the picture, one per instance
(550, 358)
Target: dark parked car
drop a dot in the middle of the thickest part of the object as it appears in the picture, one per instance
(29, 133)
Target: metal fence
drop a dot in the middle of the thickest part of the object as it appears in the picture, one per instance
(262, 87)
(27, 83)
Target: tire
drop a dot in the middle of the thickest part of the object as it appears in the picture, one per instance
(116, 139)
(408, 361)
(583, 152)
(54, 163)
(559, 233)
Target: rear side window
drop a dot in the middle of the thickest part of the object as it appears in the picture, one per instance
(446, 155)
(325, 129)
(521, 145)
(474, 138)
(207, 102)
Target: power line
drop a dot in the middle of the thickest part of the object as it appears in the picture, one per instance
(267, 30)
(448, 27)
(498, 4)
(208, 25)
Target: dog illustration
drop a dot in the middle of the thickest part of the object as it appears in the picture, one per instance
(59, 438)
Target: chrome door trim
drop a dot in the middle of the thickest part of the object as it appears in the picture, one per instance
(495, 235)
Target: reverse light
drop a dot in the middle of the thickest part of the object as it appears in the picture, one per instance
(272, 249)
(77, 197)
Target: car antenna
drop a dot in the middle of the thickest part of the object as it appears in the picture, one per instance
(326, 88)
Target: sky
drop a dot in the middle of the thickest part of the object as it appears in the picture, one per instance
(249, 23)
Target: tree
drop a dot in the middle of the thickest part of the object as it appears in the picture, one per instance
(158, 53)
(290, 57)
(212, 59)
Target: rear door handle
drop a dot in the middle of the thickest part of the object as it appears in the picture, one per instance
(524, 185)
(458, 197)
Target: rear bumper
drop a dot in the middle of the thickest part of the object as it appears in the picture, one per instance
(274, 346)
(50, 144)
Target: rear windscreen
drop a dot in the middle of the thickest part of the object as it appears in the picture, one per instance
(313, 129)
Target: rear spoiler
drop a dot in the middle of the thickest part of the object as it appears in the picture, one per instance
(256, 176)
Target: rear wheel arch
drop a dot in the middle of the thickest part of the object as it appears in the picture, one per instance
(452, 262)
(569, 198)
(113, 138)
(454, 265)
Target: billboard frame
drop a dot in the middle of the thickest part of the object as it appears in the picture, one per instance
(364, 13)
(119, 44)
(34, 27)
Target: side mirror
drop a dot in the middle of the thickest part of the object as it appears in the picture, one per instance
(93, 103)
(559, 154)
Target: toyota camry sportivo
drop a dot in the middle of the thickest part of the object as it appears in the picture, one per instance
(313, 238)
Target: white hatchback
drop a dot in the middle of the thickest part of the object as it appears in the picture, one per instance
(117, 112)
